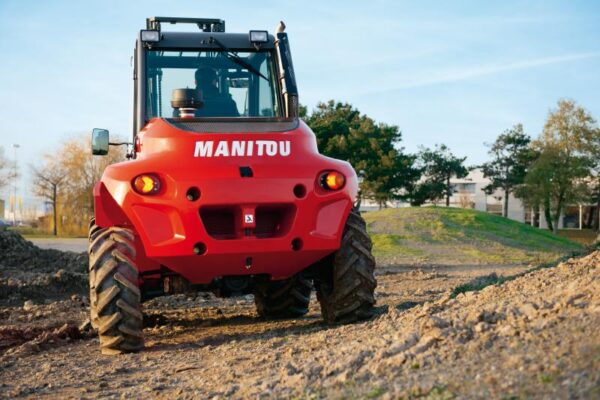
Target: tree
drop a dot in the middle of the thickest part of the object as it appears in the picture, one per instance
(511, 156)
(554, 181)
(384, 180)
(82, 171)
(7, 172)
(438, 167)
(373, 149)
(594, 184)
(594, 196)
(67, 178)
(565, 165)
(46, 182)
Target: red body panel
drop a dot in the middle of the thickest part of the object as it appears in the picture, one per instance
(303, 227)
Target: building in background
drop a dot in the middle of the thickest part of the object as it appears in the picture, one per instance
(468, 193)
(28, 208)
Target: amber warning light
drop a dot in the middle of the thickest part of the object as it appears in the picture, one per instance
(333, 180)
(146, 184)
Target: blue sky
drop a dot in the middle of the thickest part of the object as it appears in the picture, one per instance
(448, 72)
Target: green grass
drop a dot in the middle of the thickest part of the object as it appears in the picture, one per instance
(392, 244)
(544, 377)
(479, 283)
(375, 393)
(457, 236)
(438, 392)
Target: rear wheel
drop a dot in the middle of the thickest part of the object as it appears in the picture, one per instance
(115, 307)
(283, 299)
(346, 280)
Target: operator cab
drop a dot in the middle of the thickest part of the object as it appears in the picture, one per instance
(212, 75)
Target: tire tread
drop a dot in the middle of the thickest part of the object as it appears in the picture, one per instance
(346, 284)
(115, 298)
(283, 299)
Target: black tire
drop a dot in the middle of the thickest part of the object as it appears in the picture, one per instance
(289, 298)
(114, 293)
(346, 280)
(93, 231)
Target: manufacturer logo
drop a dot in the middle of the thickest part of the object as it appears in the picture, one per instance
(242, 148)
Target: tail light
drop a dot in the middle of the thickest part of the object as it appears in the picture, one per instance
(147, 184)
(332, 180)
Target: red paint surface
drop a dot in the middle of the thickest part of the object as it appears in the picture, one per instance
(168, 225)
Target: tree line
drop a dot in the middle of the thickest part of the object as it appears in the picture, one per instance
(385, 171)
(560, 167)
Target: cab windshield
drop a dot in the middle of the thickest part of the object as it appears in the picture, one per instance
(237, 84)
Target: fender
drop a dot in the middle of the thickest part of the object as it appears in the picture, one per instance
(107, 211)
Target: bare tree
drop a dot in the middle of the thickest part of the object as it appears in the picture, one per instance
(46, 183)
(7, 170)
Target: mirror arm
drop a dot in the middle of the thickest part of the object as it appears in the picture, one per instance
(129, 155)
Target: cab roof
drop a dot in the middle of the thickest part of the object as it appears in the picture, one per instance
(201, 40)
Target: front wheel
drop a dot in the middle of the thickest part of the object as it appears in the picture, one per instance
(115, 301)
(93, 232)
(346, 281)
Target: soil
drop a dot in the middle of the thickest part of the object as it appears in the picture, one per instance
(534, 336)
(39, 275)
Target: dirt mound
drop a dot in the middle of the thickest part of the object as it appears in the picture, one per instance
(30, 273)
(535, 335)
(513, 339)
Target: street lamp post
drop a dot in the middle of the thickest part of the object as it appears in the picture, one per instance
(15, 146)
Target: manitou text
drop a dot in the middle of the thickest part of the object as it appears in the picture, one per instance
(242, 148)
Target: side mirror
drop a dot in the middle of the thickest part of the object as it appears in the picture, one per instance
(99, 142)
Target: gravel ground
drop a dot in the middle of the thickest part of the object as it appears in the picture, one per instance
(535, 336)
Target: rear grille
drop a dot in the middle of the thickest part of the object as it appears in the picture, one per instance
(225, 222)
(273, 221)
(220, 223)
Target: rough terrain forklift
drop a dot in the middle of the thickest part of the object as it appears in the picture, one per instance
(224, 190)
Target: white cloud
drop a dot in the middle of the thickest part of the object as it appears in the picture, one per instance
(485, 70)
